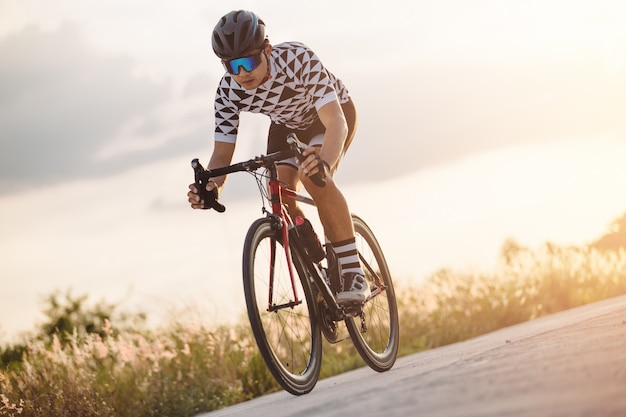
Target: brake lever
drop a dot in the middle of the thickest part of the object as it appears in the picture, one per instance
(209, 197)
(298, 147)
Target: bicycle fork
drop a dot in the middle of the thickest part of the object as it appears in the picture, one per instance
(280, 228)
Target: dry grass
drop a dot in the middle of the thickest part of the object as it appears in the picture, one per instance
(179, 372)
(453, 306)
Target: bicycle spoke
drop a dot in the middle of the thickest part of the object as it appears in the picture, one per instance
(378, 343)
(288, 336)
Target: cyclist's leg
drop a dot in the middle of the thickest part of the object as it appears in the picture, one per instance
(332, 206)
(288, 174)
(335, 216)
(288, 169)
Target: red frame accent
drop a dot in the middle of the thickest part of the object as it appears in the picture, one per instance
(277, 191)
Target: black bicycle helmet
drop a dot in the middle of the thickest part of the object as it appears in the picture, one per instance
(236, 33)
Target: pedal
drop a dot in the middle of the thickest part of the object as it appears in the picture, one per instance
(352, 309)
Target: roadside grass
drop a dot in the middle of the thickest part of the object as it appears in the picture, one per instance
(185, 367)
(453, 306)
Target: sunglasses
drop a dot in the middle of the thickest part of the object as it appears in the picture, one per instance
(249, 63)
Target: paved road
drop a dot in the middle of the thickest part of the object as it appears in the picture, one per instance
(568, 364)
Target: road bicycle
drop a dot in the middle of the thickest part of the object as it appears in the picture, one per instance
(290, 296)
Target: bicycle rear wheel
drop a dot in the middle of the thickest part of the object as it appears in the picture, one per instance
(288, 336)
(376, 335)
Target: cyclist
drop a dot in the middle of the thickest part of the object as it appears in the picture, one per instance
(288, 83)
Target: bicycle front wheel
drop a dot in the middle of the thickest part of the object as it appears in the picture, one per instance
(376, 335)
(281, 310)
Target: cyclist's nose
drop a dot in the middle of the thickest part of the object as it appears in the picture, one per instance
(243, 70)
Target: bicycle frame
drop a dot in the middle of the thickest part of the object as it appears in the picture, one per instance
(289, 329)
(283, 224)
(279, 213)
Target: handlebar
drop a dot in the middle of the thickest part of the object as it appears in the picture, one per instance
(202, 176)
(208, 197)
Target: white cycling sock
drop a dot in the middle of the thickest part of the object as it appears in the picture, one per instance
(348, 256)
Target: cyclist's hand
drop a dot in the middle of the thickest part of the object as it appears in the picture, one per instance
(314, 167)
(194, 198)
(207, 201)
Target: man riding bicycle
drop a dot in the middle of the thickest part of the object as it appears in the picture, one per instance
(288, 83)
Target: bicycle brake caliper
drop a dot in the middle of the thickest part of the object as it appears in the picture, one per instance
(277, 226)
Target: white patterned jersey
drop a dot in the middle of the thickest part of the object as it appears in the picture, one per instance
(298, 86)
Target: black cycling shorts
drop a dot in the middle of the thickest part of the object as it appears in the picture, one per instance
(313, 135)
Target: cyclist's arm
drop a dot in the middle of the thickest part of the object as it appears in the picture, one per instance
(336, 126)
(222, 156)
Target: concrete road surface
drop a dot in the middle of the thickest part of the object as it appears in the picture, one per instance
(569, 364)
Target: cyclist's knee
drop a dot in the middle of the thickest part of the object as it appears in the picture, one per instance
(288, 174)
(315, 190)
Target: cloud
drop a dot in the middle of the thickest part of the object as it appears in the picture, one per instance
(441, 112)
(68, 112)
(61, 103)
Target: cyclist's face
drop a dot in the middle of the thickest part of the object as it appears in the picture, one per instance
(252, 79)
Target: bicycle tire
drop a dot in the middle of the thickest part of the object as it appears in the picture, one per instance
(289, 339)
(378, 344)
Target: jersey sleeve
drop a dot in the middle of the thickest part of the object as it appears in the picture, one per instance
(226, 115)
(317, 79)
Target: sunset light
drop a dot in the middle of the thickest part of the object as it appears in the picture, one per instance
(478, 122)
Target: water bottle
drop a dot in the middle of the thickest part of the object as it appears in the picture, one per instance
(311, 243)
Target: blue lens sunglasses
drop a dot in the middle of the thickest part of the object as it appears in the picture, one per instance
(249, 63)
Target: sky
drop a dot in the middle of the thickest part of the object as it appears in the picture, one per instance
(478, 121)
